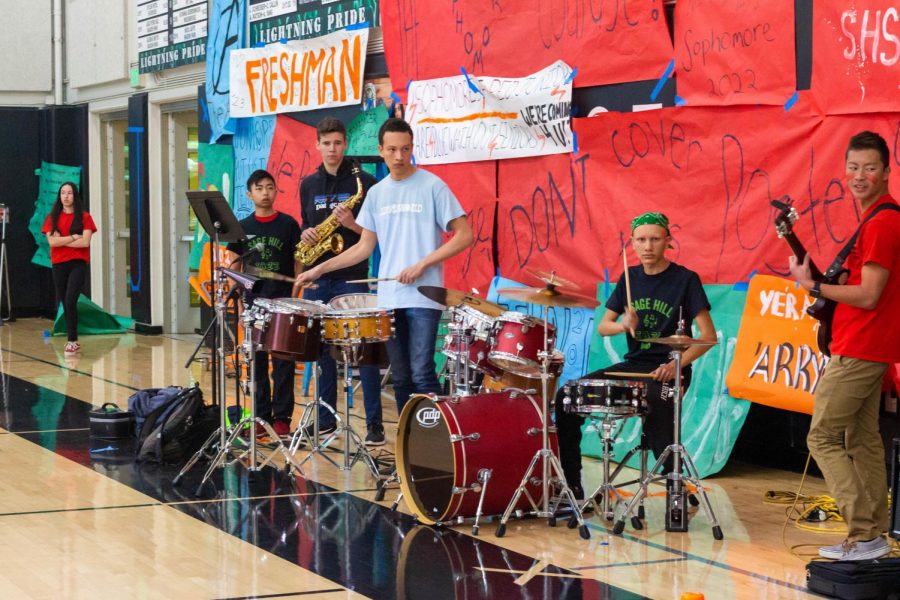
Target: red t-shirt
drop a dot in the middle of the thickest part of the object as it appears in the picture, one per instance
(61, 254)
(873, 334)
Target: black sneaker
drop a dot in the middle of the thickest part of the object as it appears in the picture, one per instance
(375, 437)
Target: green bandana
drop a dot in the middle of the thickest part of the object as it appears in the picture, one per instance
(650, 218)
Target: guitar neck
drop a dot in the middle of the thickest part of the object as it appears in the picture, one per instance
(800, 252)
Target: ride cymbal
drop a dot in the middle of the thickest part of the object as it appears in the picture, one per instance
(547, 296)
(449, 297)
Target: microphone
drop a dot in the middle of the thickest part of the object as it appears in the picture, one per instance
(259, 247)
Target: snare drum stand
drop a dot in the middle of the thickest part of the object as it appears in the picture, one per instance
(348, 352)
(606, 487)
(311, 417)
(548, 460)
(676, 508)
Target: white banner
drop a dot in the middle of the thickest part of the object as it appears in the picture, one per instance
(299, 75)
(465, 118)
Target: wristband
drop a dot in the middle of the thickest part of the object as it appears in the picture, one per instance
(816, 291)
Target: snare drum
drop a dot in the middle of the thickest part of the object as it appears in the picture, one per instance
(445, 443)
(355, 319)
(497, 380)
(292, 327)
(516, 340)
(611, 396)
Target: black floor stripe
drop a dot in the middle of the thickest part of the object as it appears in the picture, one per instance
(286, 594)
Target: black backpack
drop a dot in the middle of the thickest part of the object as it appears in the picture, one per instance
(177, 429)
(877, 579)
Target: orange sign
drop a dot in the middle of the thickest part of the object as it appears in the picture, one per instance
(776, 360)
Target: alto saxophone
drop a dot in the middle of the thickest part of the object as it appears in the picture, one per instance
(329, 239)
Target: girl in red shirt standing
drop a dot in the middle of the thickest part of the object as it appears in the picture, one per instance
(68, 228)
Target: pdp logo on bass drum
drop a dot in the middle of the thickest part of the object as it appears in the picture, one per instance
(428, 417)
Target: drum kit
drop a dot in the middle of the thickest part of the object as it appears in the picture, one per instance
(453, 459)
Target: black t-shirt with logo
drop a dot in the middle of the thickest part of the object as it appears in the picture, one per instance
(279, 235)
(657, 300)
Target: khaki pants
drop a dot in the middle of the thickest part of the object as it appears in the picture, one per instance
(844, 440)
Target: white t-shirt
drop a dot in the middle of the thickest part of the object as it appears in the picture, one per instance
(409, 218)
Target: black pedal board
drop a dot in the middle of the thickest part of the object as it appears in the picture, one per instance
(676, 510)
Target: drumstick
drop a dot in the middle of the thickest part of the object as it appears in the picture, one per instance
(625, 273)
(626, 374)
(372, 280)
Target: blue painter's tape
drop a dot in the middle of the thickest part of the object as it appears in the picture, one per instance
(362, 25)
(679, 101)
(606, 282)
(413, 159)
(395, 97)
(135, 130)
(408, 83)
(662, 80)
(574, 142)
(472, 86)
(283, 40)
(571, 75)
(743, 286)
(259, 45)
(791, 102)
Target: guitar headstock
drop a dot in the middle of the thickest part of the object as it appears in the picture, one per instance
(786, 217)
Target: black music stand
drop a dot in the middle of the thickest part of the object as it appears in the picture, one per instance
(221, 225)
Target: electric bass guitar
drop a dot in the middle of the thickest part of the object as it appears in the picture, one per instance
(822, 310)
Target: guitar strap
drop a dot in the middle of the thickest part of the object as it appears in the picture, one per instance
(838, 263)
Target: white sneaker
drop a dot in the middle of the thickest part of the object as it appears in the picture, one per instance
(875, 548)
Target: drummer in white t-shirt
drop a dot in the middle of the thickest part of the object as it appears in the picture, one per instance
(406, 214)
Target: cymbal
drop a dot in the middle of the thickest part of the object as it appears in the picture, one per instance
(551, 279)
(449, 297)
(678, 341)
(547, 296)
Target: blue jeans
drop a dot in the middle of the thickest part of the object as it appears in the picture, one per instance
(370, 375)
(412, 353)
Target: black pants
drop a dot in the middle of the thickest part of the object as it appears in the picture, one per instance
(659, 421)
(68, 279)
(279, 405)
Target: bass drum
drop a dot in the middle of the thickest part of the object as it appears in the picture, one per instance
(443, 442)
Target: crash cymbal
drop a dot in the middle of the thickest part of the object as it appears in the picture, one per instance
(551, 278)
(681, 342)
(547, 296)
(449, 297)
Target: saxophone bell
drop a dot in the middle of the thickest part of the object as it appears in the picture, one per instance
(337, 243)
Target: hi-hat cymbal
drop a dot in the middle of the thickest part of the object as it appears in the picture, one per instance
(551, 279)
(681, 342)
(547, 296)
(449, 297)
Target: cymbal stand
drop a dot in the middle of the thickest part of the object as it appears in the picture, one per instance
(348, 352)
(676, 508)
(549, 461)
(460, 369)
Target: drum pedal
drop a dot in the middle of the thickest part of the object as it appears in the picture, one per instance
(676, 510)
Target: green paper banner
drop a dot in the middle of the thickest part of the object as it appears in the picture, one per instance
(362, 134)
(216, 174)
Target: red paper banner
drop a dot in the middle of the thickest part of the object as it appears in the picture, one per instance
(734, 52)
(713, 171)
(474, 184)
(856, 48)
(292, 157)
(608, 42)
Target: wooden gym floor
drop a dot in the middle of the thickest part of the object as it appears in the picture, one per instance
(81, 520)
